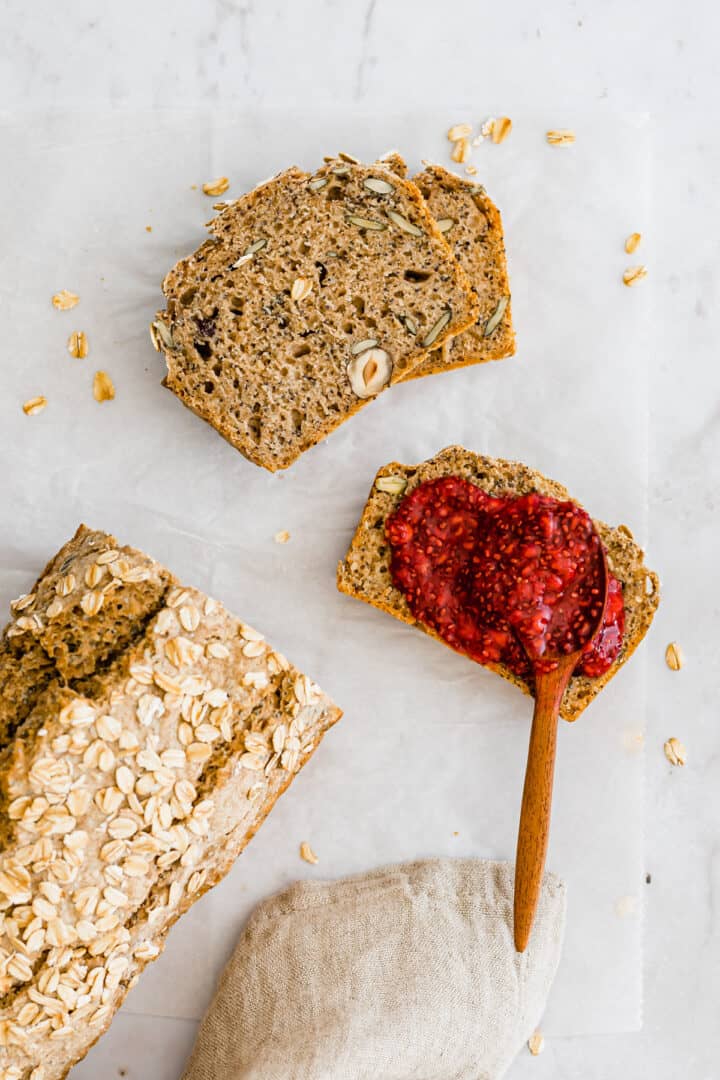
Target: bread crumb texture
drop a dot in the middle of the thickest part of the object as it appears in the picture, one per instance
(264, 323)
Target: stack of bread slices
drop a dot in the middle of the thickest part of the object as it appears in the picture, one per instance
(316, 292)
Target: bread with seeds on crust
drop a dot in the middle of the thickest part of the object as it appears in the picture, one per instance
(313, 294)
(137, 760)
(365, 571)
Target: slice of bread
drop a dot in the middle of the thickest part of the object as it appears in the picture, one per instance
(472, 225)
(365, 571)
(312, 295)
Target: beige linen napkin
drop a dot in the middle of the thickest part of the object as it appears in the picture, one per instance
(406, 973)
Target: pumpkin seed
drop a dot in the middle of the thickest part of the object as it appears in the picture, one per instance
(410, 323)
(436, 329)
(366, 223)
(341, 170)
(363, 346)
(445, 224)
(317, 183)
(163, 333)
(348, 157)
(381, 187)
(249, 252)
(403, 223)
(494, 320)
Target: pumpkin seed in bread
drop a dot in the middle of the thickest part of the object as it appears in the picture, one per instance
(365, 571)
(159, 736)
(312, 295)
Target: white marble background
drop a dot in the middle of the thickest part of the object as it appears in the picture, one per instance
(658, 56)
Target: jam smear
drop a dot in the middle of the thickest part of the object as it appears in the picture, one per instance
(512, 579)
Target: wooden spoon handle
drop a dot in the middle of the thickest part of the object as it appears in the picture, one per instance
(537, 797)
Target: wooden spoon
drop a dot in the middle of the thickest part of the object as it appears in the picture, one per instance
(539, 772)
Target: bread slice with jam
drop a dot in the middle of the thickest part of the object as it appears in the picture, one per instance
(313, 294)
(365, 571)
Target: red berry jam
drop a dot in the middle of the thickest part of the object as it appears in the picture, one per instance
(510, 579)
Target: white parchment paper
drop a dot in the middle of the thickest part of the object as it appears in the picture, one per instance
(429, 757)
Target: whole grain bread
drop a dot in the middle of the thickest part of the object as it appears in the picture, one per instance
(136, 763)
(471, 223)
(312, 295)
(365, 571)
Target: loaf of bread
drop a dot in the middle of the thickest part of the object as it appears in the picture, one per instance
(471, 223)
(146, 733)
(365, 571)
(312, 295)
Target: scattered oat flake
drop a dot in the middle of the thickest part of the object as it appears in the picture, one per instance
(561, 137)
(486, 129)
(78, 344)
(501, 129)
(471, 170)
(307, 853)
(282, 537)
(64, 300)
(459, 131)
(536, 1043)
(674, 656)
(460, 151)
(633, 274)
(632, 243)
(34, 405)
(216, 187)
(675, 752)
(103, 388)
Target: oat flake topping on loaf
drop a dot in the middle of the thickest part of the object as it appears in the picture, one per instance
(145, 734)
(313, 294)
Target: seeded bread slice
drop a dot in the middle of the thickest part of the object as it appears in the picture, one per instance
(471, 223)
(269, 325)
(365, 571)
(131, 777)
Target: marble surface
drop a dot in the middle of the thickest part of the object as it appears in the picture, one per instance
(645, 56)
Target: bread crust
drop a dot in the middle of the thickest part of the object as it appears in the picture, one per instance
(166, 727)
(364, 573)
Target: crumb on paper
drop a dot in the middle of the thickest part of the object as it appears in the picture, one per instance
(632, 243)
(633, 741)
(216, 187)
(64, 300)
(471, 170)
(307, 853)
(634, 274)
(536, 1043)
(148, 228)
(103, 387)
(456, 833)
(626, 906)
(282, 537)
(34, 405)
(675, 751)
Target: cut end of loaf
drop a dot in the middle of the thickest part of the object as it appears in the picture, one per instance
(364, 573)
